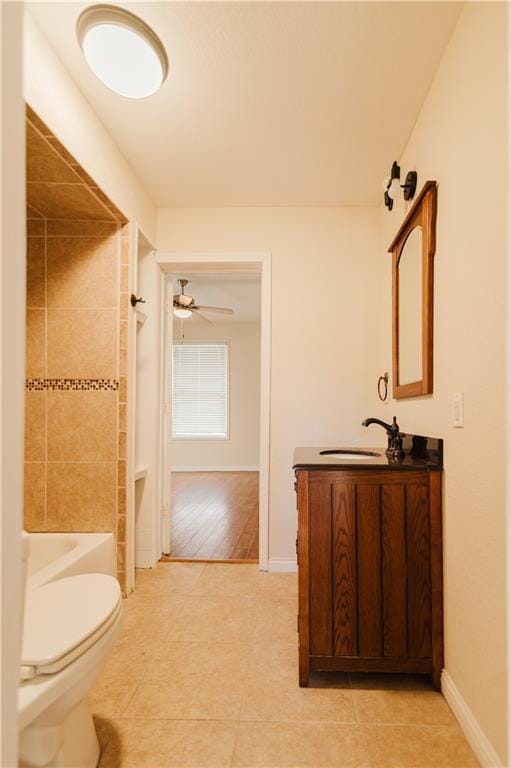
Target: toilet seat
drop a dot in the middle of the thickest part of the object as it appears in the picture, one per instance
(64, 618)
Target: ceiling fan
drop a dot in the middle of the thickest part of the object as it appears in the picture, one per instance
(184, 306)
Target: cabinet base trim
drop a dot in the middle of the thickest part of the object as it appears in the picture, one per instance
(474, 733)
(370, 664)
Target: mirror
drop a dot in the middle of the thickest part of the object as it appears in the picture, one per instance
(410, 308)
(412, 297)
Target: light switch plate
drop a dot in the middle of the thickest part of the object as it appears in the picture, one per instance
(458, 415)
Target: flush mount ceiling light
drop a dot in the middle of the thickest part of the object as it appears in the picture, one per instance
(393, 189)
(122, 51)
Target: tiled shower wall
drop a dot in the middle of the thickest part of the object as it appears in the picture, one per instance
(77, 318)
(75, 420)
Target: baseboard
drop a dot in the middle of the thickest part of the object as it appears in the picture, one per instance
(474, 734)
(214, 469)
(283, 566)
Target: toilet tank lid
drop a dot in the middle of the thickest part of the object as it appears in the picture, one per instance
(60, 615)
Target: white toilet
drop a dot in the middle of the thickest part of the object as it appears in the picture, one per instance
(70, 626)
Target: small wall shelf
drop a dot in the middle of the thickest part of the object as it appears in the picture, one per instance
(140, 473)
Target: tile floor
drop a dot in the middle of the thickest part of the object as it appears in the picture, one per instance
(204, 675)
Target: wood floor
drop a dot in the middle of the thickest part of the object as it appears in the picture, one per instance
(215, 516)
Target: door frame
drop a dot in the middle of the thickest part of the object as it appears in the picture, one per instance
(170, 264)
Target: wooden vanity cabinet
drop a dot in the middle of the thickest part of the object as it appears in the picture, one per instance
(370, 571)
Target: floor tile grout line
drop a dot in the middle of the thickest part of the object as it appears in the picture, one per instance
(127, 704)
(366, 745)
(302, 721)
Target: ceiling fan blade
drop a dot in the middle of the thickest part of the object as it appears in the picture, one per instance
(221, 310)
(203, 317)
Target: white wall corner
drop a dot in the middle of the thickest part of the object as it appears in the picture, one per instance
(474, 734)
(282, 566)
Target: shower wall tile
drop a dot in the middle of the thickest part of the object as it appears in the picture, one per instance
(122, 389)
(81, 497)
(123, 334)
(70, 228)
(82, 343)
(121, 578)
(35, 226)
(125, 247)
(36, 272)
(75, 436)
(121, 500)
(60, 148)
(123, 361)
(86, 178)
(35, 496)
(37, 122)
(122, 445)
(122, 417)
(121, 528)
(82, 426)
(82, 272)
(35, 426)
(44, 163)
(124, 277)
(65, 201)
(35, 361)
(124, 306)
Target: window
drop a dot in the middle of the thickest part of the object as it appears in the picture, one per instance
(199, 390)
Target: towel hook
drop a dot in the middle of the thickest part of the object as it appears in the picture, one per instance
(134, 300)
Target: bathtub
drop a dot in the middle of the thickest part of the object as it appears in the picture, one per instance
(53, 556)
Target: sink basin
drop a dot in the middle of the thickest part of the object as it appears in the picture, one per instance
(339, 453)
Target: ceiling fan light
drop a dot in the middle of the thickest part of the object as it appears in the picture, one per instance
(122, 51)
(182, 313)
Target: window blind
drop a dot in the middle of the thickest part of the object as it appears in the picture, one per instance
(199, 390)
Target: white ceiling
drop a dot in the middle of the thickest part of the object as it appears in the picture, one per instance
(269, 103)
(238, 291)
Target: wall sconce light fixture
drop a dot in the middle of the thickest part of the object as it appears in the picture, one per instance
(393, 189)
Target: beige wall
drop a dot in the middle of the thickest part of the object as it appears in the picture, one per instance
(460, 140)
(323, 325)
(242, 447)
(54, 96)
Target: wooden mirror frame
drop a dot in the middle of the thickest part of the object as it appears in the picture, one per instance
(421, 214)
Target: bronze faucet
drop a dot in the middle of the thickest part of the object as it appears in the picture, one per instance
(395, 437)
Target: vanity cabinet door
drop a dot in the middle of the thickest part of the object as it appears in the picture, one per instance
(366, 576)
(381, 571)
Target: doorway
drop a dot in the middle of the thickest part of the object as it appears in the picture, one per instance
(216, 414)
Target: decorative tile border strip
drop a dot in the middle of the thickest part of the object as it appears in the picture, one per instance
(79, 385)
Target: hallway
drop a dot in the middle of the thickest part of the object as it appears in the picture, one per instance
(205, 675)
(215, 516)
